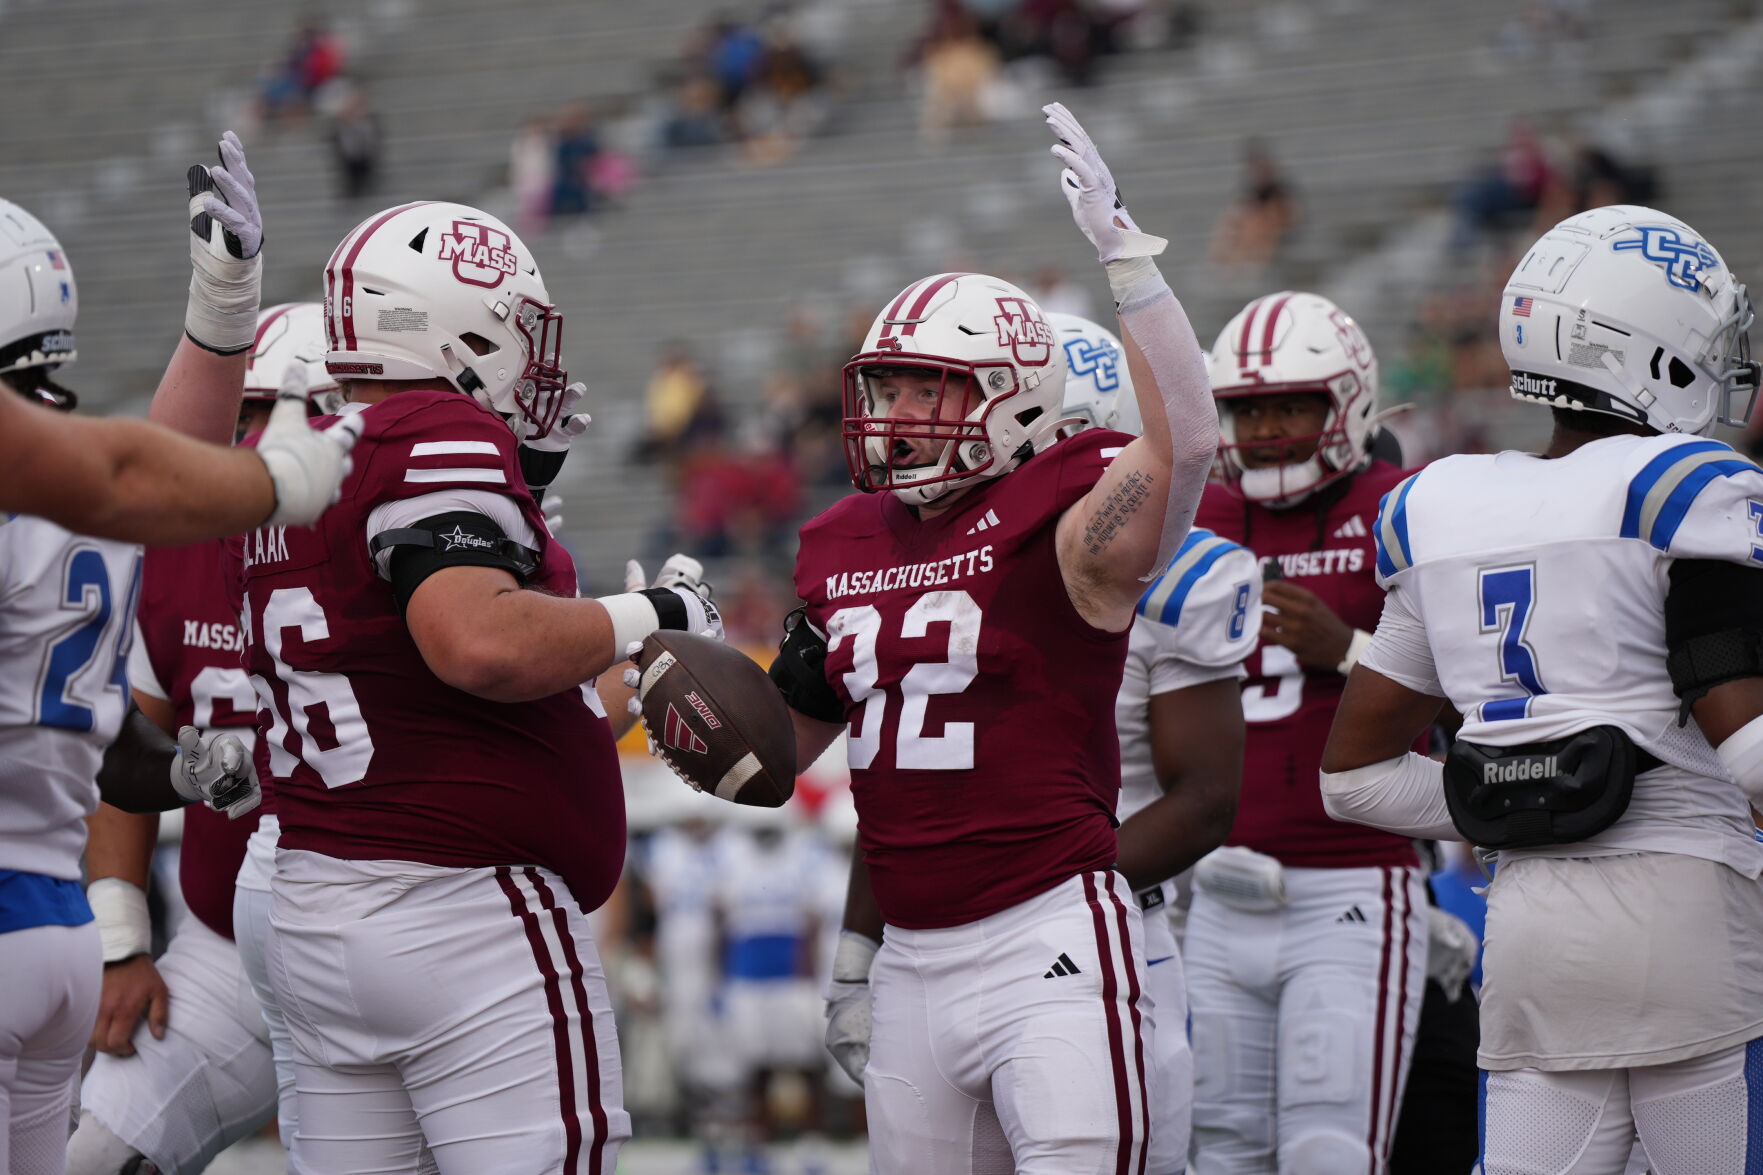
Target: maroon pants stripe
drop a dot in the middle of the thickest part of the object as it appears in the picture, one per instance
(590, 1049)
(1383, 990)
(572, 1127)
(1116, 1044)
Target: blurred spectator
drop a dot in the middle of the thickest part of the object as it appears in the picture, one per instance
(532, 173)
(1506, 194)
(782, 105)
(1252, 229)
(356, 142)
(313, 59)
(960, 70)
(745, 500)
(678, 403)
(1598, 177)
(694, 119)
(733, 53)
(577, 145)
(1053, 288)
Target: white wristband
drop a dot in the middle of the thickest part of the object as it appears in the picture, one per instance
(633, 618)
(1134, 279)
(1355, 650)
(851, 961)
(124, 927)
(221, 315)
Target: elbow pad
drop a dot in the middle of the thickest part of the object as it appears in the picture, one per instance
(799, 671)
(1713, 627)
(458, 538)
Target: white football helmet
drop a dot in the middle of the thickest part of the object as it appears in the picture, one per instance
(1098, 387)
(38, 298)
(1285, 344)
(1627, 311)
(433, 290)
(290, 333)
(978, 332)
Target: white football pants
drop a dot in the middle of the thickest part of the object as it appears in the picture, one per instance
(1172, 1065)
(49, 977)
(1014, 1043)
(1694, 1117)
(451, 1020)
(182, 1100)
(1303, 1022)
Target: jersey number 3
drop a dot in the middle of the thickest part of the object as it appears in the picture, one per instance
(913, 749)
(1508, 596)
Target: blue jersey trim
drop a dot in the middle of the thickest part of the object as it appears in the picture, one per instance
(762, 956)
(1481, 1119)
(28, 900)
(1754, 1108)
(1659, 530)
(1202, 560)
(1397, 524)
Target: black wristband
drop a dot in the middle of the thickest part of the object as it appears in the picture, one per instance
(670, 610)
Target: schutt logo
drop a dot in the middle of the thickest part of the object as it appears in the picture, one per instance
(481, 255)
(1021, 326)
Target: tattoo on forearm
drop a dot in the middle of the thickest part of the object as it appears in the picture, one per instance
(1121, 505)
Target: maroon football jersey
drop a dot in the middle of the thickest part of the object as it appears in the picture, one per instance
(1288, 708)
(191, 635)
(983, 756)
(373, 756)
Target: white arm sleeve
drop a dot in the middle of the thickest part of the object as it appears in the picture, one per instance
(1742, 753)
(1399, 649)
(402, 512)
(1404, 795)
(141, 675)
(1150, 313)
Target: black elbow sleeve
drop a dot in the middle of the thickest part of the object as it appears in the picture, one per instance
(458, 538)
(799, 671)
(1713, 627)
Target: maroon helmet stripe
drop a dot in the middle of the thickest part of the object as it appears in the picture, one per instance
(1116, 1046)
(1248, 328)
(347, 272)
(590, 1050)
(924, 298)
(269, 320)
(1267, 330)
(893, 309)
(572, 1126)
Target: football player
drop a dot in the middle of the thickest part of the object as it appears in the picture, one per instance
(66, 620)
(1306, 941)
(1180, 717)
(444, 773)
(184, 1066)
(128, 480)
(967, 618)
(1577, 607)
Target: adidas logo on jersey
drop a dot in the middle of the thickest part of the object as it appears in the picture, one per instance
(1352, 528)
(1355, 914)
(986, 523)
(1062, 966)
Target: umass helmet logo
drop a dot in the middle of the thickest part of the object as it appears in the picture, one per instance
(1683, 260)
(481, 255)
(1024, 331)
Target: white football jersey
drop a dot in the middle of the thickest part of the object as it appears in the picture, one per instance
(1198, 623)
(1531, 592)
(767, 887)
(67, 609)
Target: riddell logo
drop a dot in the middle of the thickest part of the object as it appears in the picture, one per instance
(679, 736)
(1021, 326)
(1522, 770)
(1530, 385)
(481, 255)
(697, 703)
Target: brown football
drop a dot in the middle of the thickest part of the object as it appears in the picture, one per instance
(715, 717)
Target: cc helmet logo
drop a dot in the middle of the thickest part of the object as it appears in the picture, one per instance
(1097, 357)
(481, 255)
(1682, 260)
(1024, 331)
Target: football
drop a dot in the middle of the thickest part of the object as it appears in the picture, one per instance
(716, 718)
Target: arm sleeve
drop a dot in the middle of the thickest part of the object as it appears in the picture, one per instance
(1400, 650)
(402, 512)
(1217, 627)
(141, 675)
(1404, 795)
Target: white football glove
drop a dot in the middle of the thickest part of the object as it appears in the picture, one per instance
(1242, 879)
(1090, 190)
(552, 509)
(684, 576)
(848, 1003)
(1451, 950)
(215, 770)
(563, 433)
(307, 467)
(226, 266)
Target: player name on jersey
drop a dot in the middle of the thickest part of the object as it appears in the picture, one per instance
(213, 635)
(268, 545)
(1334, 561)
(911, 575)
